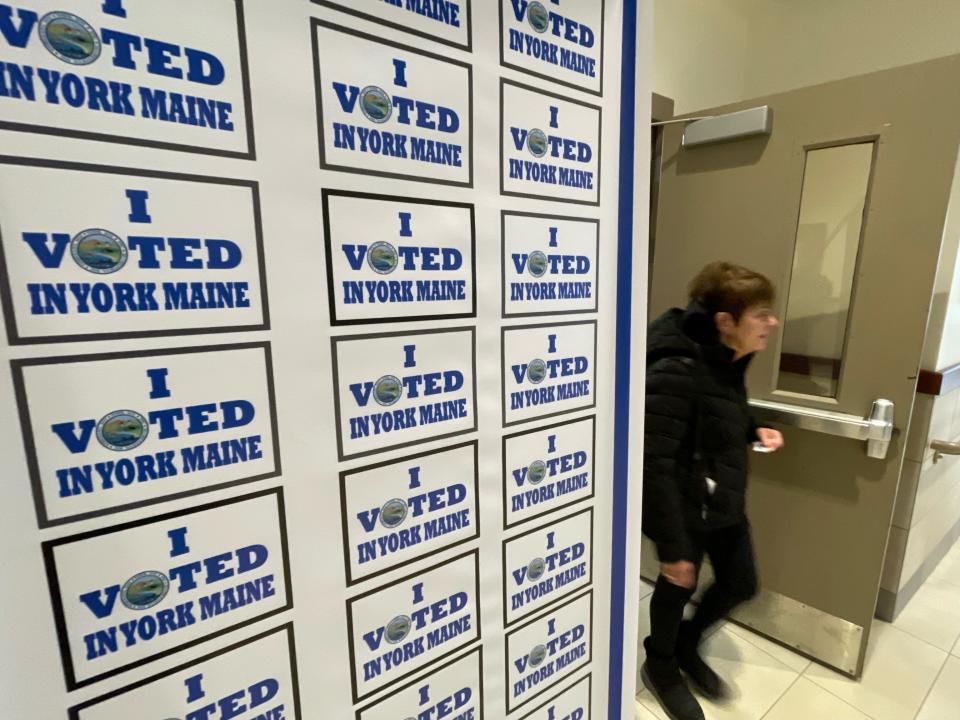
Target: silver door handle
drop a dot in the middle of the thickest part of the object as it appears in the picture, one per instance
(942, 447)
(876, 429)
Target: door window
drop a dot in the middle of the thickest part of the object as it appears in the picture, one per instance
(835, 185)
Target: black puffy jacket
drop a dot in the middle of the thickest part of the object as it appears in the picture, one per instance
(695, 396)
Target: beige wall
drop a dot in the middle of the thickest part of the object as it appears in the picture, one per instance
(713, 52)
(700, 50)
(941, 348)
(945, 318)
(926, 520)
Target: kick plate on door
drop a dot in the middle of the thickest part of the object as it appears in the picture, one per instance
(876, 430)
(819, 635)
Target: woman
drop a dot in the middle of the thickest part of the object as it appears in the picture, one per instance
(698, 430)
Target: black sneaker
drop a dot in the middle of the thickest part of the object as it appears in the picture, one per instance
(701, 674)
(662, 679)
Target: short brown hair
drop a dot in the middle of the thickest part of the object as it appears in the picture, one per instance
(725, 287)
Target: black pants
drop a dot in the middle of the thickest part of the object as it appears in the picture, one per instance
(731, 553)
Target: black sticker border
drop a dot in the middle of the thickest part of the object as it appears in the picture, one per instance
(556, 679)
(431, 670)
(403, 28)
(537, 91)
(565, 83)
(250, 154)
(6, 291)
(475, 553)
(560, 597)
(377, 336)
(348, 548)
(48, 548)
(326, 194)
(588, 677)
(503, 265)
(315, 24)
(506, 480)
(73, 713)
(29, 442)
(503, 372)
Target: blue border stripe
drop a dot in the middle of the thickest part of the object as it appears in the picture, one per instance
(621, 413)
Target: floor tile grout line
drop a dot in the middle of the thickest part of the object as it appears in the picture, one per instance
(834, 695)
(934, 576)
(954, 585)
(782, 695)
(749, 641)
(810, 664)
(799, 675)
(846, 702)
(645, 707)
(802, 675)
(830, 692)
(759, 649)
(923, 640)
(932, 686)
(714, 629)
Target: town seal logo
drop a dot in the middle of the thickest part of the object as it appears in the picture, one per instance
(536, 568)
(536, 371)
(122, 430)
(98, 251)
(387, 390)
(382, 258)
(375, 104)
(536, 472)
(70, 38)
(538, 17)
(144, 590)
(398, 629)
(538, 655)
(537, 142)
(393, 513)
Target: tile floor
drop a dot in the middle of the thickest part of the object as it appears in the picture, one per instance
(912, 669)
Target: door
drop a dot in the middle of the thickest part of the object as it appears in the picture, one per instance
(843, 207)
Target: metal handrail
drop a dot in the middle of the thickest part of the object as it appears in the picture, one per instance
(942, 447)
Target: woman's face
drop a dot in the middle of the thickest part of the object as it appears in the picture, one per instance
(751, 334)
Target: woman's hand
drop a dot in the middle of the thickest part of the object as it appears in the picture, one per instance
(682, 573)
(771, 439)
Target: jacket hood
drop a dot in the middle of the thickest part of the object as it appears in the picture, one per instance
(687, 333)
